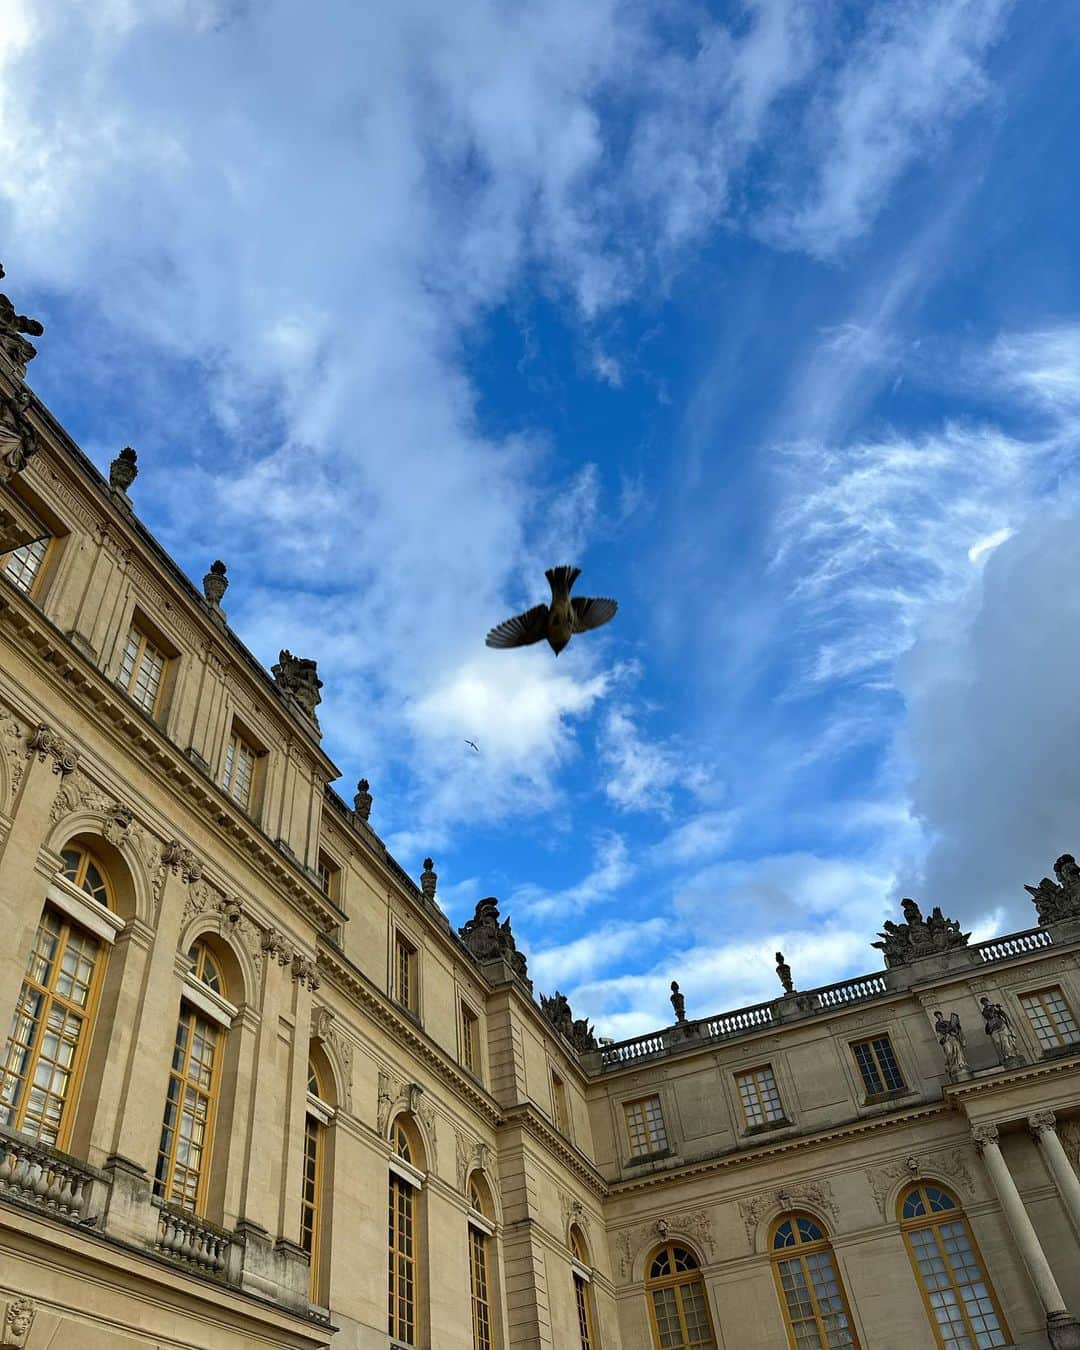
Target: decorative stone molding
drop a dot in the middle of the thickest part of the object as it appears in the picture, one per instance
(13, 738)
(277, 947)
(948, 1163)
(574, 1214)
(181, 861)
(324, 1028)
(18, 1319)
(1039, 1121)
(44, 742)
(982, 1135)
(233, 922)
(304, 971)
(811, 1194)
(396, 1095)
(470, 1155)
(695, 1225)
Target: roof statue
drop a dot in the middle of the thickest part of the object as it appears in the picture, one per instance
(917, 937)
(490, 940)
(13, 343)
(1056, 900)
(558, 1012)
(297, 677)
(18, 439)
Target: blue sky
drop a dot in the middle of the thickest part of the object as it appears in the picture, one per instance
(766, 315)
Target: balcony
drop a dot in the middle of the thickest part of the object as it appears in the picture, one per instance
(45, 1179)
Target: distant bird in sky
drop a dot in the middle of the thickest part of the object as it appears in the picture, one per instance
(558, 621)
(473, 745)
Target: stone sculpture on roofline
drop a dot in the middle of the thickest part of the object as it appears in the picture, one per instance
(13, 328)
(297, 677)
(490, 940)
(917, 937)
(558, 1012)
(1058, 900)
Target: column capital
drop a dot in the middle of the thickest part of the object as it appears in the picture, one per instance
(1039, 1121)
(984, 1134)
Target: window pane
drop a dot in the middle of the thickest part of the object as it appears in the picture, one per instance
(23, 565)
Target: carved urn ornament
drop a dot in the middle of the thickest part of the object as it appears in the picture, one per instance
(428, 880)
(678, 1002)
(124, 469)
(362, 800)
(215, 583)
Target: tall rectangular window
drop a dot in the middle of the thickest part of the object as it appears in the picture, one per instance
(309, 1200)
(49, 1031)
(558, 1103)
(645, 1126)
(1051, 1018)
(584, 1311)
(481, 1302)
(405, 985)
(238, 778)
(142, 669)
(401, 1294)
(877, 1064)
(470, 1048)
(759, 1096)
(23, 565)
(185, 1131)
(329, 876)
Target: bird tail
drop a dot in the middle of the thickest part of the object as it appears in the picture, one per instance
(561, 579)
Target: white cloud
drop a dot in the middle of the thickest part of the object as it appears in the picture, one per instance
(569, 963)
(916, 68)
(642, 774)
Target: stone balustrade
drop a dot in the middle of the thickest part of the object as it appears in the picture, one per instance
(1013, 944)
(34, 1174)
(850, 991)
(183, 1237)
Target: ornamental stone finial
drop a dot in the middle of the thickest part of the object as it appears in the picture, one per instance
(783, 973)
(124, 470)
(429, 879)
(215, 583)
(678, 1002)
(362, 800)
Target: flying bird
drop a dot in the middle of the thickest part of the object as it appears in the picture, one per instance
(472, 745)
(558, 621)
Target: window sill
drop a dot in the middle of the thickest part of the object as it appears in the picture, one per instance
(752, 1131)
(641, 1159)
(1062, 1051)
(877, 1098)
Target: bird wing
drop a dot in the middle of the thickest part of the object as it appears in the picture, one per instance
(521, 630)
(589, 612)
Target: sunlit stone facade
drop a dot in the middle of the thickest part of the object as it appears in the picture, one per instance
(258, 1092)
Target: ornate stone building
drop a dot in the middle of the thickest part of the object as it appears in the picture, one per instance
(256, 1091)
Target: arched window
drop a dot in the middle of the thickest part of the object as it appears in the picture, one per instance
(815, 1309)
(311, 1197)
(51, 1027)
(401, 1292)
(677, 1306)
(582, 1289)
(82, 870)
(960, 1302)
(187, 1128)
(479, 1265)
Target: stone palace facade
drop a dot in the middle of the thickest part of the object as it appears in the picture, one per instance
(255, 1090)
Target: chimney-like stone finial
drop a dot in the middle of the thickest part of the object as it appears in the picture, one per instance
(428, 880)
(124, 470)
(362, 800)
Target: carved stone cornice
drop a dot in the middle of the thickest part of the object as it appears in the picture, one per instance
(792, 1144)
(338, 971)
(87, 687)
(525, 1116)
(46, 743)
